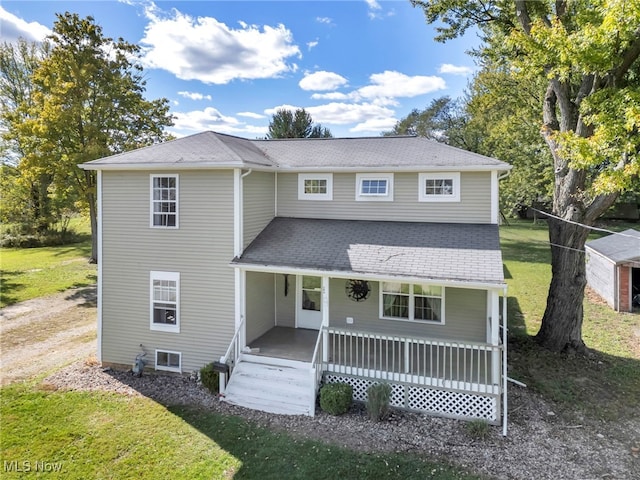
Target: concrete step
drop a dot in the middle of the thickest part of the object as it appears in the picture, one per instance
(271, 388)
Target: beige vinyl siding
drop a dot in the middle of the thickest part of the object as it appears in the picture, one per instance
(465, 314)
(474, 207)
(260, 304)
(259, 203)
(200, 250)
(285, 304)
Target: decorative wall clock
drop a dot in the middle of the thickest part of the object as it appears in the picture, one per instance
(357, 290)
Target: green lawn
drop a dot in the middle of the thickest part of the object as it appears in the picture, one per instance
(28, 273)
(607, 384)
(100, 435)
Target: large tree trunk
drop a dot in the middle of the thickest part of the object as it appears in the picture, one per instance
(561, 329)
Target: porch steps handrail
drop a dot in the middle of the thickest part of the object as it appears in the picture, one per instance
(423, 361)
(234, 347)
(316, 366)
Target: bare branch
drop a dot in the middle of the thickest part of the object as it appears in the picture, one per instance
(628, 58)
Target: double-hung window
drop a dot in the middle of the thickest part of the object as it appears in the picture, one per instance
(411, 302)
(374, 187)
(165, 301)
(164, 201)
(439, 187)
(315, 186)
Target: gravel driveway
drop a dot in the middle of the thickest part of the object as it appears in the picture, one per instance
(39, 335)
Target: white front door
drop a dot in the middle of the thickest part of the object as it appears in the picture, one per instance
(309, 296)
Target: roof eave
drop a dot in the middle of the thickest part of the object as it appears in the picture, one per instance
(474, 284)
(174, 166)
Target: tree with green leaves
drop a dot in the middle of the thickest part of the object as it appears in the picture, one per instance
(586, 54)
(88, 102)
(25, 194)
(299, 124)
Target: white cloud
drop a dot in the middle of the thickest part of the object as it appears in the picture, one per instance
(211, 119)
(339, 113)
(312, 44)
(392, 84)
(273, 110)
(207, 50)
(330, 96)
(455, 69)
(14, 28)
(325, 20)
(250, 115)
(322, 81)
(194, 95)
(375, 125)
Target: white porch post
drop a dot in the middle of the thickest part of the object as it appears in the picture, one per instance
(494, 297)
(325, 319)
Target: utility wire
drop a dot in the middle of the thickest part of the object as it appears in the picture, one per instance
(583, 225)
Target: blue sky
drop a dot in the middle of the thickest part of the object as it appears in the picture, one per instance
(356, 66)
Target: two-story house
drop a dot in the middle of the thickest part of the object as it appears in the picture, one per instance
(302, 261)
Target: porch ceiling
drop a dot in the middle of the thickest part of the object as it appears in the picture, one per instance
(433, 251)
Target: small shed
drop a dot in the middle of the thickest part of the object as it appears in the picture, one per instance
(613, 268)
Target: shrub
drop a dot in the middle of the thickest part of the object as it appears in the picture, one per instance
(336, 398)
(378, 396)
(478, 428)
(210, 378)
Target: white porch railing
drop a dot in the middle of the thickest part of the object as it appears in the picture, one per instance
(231, 355)
(465, 366)
(317, 366)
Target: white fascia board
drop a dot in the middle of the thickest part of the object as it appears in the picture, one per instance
(284, 169)
(367, 276)
(388, 169)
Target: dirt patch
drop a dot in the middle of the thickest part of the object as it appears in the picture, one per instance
(39, 335)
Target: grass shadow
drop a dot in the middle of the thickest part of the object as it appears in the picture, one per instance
(266, 454)
(8, 287)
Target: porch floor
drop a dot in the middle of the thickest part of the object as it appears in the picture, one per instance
(286, 342)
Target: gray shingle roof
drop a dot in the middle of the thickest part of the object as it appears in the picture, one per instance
(206, 149)
(619, 248)
(430, 251)
(211, 149)
(382, 152)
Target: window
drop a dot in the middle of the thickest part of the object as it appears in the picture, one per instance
(419, 303)
(317, 186)
(170, 361)
(372, 187)
(165, 301)
(164, 201)
(439, 187)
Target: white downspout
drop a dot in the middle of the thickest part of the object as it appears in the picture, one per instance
(504, 362)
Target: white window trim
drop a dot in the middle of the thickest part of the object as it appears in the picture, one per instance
(411, 318)
(302, 177)
(165, 368)
(374, 197)
(172, 276)
(423, 177)
(151, 178)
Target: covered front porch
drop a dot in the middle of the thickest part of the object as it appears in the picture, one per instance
(435, 338)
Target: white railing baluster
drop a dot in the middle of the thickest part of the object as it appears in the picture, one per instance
(418, 360)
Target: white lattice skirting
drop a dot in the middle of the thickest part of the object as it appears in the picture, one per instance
(447, 403)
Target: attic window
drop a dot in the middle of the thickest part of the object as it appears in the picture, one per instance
(374, 187)
(315, 186)
(439, 187)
